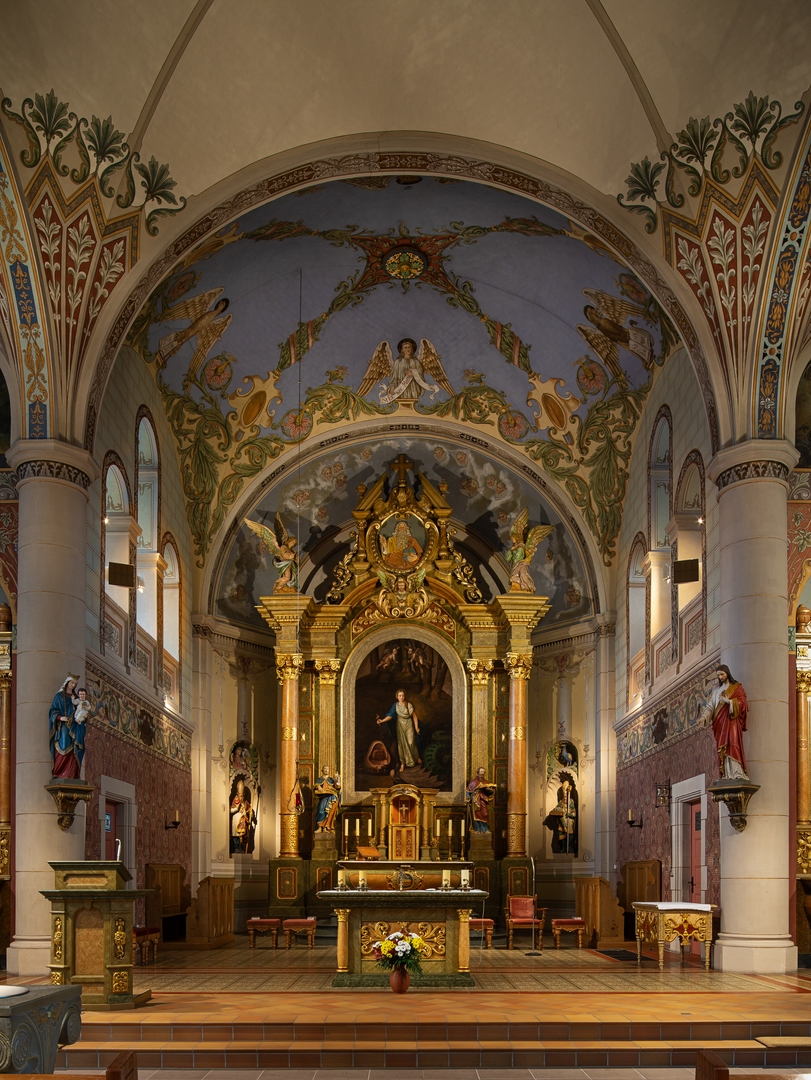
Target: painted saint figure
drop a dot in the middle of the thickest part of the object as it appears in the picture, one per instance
(406, 377)
(728, 709)
(479, 796)
(402, 550)
(407, 731)
(328, 792)
(282, 545)
(66, 737)
(243, 821)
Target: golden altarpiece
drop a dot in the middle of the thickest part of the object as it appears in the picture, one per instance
(404, 603)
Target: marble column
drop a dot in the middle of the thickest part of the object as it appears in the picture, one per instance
(6, 761)
(480, 755)
(520, 668)
(288, 668)
(328, 757)
(52, 480)
(751, 479)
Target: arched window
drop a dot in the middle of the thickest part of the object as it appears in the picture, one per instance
(690, 537)
(659, 467)
(636, 631)
(148, 481)
(171, 602)
(117, 531)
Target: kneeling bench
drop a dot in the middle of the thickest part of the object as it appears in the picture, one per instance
(142, 937)
(261, 926)
(292, 927)
(487, 926)
(572, 926)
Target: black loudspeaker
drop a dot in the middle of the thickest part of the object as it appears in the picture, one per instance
(685, 570)
(122, 574)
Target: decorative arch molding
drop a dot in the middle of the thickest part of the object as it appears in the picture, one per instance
(460, 703)
(694, 459)
(464, 162)
(664, 413)
(299, 456)
(778, 316)
(639, 541)
(21, 279)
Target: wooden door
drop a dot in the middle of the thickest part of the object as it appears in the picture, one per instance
(696, 825)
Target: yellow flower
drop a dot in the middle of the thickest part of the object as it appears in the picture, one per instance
(387, 947)
(417, 941)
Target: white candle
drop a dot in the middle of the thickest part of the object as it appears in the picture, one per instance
(463, 827)
(341, 878)
(450, 826)
(361, 877)
(369, 823)
(346, 826)
(357, 826)
(436, 830)
(465, 877)
(446, 879)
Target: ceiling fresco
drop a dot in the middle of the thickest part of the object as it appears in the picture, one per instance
(316, 501)
(415, 299)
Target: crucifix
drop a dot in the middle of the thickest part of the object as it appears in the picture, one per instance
(401, 467)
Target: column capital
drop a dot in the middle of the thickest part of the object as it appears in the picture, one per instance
(288, 666)
(803, 682)
(519, 665)
(328, 670)
(54, 460)
(755, 459)
(480, 671)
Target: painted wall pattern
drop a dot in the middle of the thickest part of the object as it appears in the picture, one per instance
(116, 710)
(673, 718)
(476, 294)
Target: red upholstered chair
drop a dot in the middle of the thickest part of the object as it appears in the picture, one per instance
(518, 915)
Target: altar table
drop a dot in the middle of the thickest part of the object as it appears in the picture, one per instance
(441, 917)
(658, 922)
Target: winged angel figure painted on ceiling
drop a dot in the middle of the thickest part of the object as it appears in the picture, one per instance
(607, 315)
(208, 324)
(523, 546)
(406, 377)
(282, 545)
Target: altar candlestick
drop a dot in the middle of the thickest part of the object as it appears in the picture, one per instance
(446, 879)
(362, 878)
(450, 827)
(436, 830)
(465, 877)
(341, 879)
(346, 827)
(462, 827)
(630, 815)
(369, 824)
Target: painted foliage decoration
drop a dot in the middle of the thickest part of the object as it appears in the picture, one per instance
(403, 319)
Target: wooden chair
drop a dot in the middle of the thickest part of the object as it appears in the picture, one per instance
(520, 913)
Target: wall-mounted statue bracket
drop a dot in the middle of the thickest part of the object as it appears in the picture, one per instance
(736, 794)
(66, 794)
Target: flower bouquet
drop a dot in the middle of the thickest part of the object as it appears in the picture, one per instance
(401, 954)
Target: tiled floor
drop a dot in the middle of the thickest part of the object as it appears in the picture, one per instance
(424, 1074)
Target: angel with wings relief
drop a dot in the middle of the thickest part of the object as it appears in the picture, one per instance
(607, 314)
(524, 544)
(208, 324)
(405, 378)
(282, 545)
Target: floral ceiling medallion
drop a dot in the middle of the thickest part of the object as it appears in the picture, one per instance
(404, 263)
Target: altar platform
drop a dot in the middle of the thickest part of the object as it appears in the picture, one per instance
(246, 1009)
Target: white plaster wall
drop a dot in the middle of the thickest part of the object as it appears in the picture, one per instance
(678, 388)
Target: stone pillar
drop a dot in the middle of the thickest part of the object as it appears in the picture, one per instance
(480, 755)
(520, 669)
(605, 751)
(201, 751)
(288, 667)
(328, 671)
(751, 479)
(52, 480)
(6, 762)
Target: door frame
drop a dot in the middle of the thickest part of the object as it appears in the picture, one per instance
(123, 794)
(681, 794)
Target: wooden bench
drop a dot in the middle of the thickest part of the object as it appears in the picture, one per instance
(485, 925)
(142, 938)
(261, 926)
(571, 926)
(292, 927)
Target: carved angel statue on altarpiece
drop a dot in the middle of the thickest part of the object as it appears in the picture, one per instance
(406, 377)
(282, 545)
(524, 544)
(208, 326)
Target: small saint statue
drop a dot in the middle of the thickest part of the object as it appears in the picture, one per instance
(328, 792)
(282, 545)
(728, 709)
(479, 796)
(67, 717)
